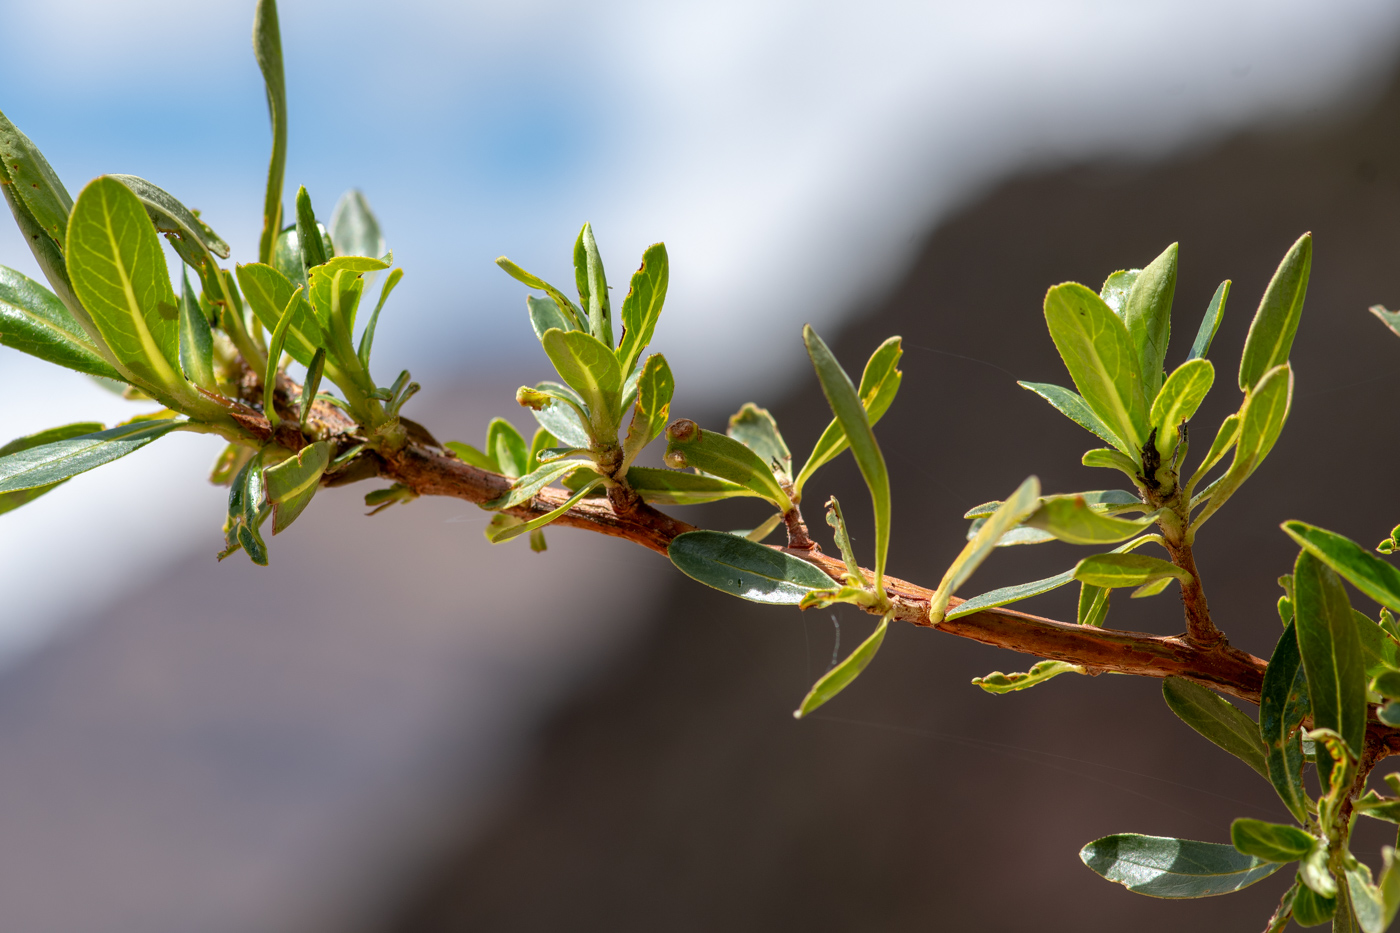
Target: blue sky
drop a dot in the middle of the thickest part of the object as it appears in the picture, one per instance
(790, 154)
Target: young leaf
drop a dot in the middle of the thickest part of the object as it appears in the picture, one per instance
(1390, 319)
(690, 446)
(196, 339)
(268, 292)
(850, 413)
(1314, 871)
(499, 534)
(1106, 457)
(1008, 515)
(1178, 400)
(313, 251)
(1016, 536)
(593, 285)
(506, 446)
(742, 568)
(367, 338)
(312, 385)
(545, 314)
(58, 460)
(1363, 570)
(1283, 705)
(119, 273)
(1093, 605)
(642, 306)
(354, 228)
(1272, 842)
(1112, 571)
(524, 488)
(267, 48)
(1210, 323)
(1217, 720)
(755, 428)
(34, 181)
(339, 276)
(10, 501)
(246, 513)
(1105, 501)
(1225, 438)
(274, 358)
(878, 385)
(1041, 671)
(1160, 866)
(1271, 332)
(673, 487)
(469, 454)
(1331, 652)
(652, 407)
(1117, 287)
(291, 483)
(1072, 406)
(1379, 652)
(1311, 909)
(1147, 313)
(170, 216)
(1100, 356)
(1009, 594)
(1071, 519)
(837, 521)
(34, 321)
(1262, 418)
(840, 676)
(559, 410)
(588, 366)
(561, 301)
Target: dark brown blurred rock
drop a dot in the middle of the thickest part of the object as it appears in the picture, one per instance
(679, 794)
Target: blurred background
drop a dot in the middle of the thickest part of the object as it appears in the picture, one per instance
(396, 727)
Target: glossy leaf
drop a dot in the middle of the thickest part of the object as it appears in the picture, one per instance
(268, 292)
(592, 285)
(58, 460)
(1041, 671)
(742, 568)
(642, 307)
(34, 181)
(1009, 594)
(1331, 653)
(507, 447)
(267, 48)
(1276, 321)
(1272, 842)
(170, 216)
(1117, 287)
(10, 501)
(587, 366)
(119, 273)
(1178, 400)
(196, 339)
(1210, 323)
(313, 250)
(274, 358)
(1071, 519)
(1093, 605)
(755, 428)
(339, 275)
(690, 446)
(1016, 536)
(879, 384)
(1283, 705)
(840, 676)
(1160, 866)
(652, 407)
(849, 410)
(1311, 909)
(553, 406)
(1008, 515)
(1314, 871)
(291, 483)
(367, 338)
(675, 487)
(1112, 571)
(246, 512)
(1362, 569)
(1218, 720)
(1072, 406)
(354, 229)
(33, 320)
(1101, 358)
(1147, 313)
(499, 534)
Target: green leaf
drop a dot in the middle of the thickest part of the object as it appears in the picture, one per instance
(1225, 438)
(1210, 323)
(498, 534)
(119, 273)
(34, 181)
(1314, 871)
(34, 321)
(1106, 501)
(553, 406)
(1106, 457)
(1379, 652)
(840, 676)
(339, 275)
(354, 228)
(524, 488)
(53, 462)
(593, 286)
(1072, 406)
(1160, 866)
(291, 483)
(642, 307)
(1093, 605)
(267, 48)
(1178, 400)
(1009, 594)
(288, 258)
(837, 521)
(1311, 909)
(690, 446)
(1271, 332)
(170, 216)
(1217, 720)
(469, 454)
(1148, 316)
(1387, 684)
(878, 385)
(1390, 319)
(268, 292)
(1363, 570)
(1016, 536)
(312, 385)
(367, 338)
(1331, 652)
(742, 568)
(196, 339)
(1041, 671)
(1101, 358)
(1112, 571)
(673, 487)
(1262, 418)
(652, 407)
(849, 410)
(1008, 515)
(561, 301)
(1367, 901)
(588, 366)
(755, 428)
(1272, 842)
(313, 251)
(10, 501)
(506, 447)
(1283, 705)
(1071, 519)
(545, 314)
(1117, 287)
